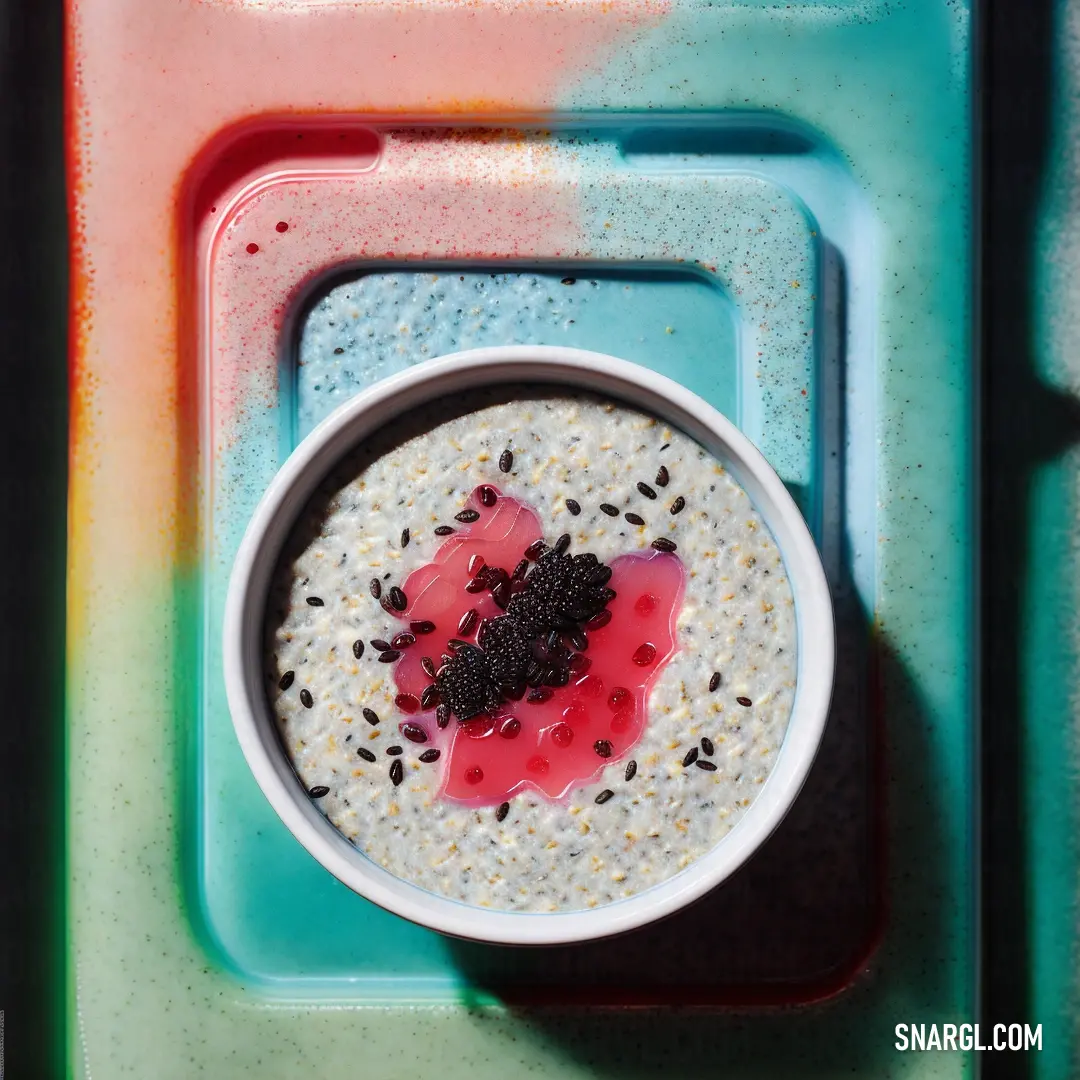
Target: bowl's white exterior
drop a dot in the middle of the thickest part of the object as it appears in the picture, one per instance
(356, 419)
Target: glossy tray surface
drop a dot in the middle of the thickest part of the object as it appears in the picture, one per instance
(763, 247)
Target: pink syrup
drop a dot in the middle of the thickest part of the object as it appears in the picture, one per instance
(566, 740)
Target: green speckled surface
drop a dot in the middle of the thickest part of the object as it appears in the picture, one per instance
(884, 88)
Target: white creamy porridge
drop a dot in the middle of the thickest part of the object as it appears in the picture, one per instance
(717, 713)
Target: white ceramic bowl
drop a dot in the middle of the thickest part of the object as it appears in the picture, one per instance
(367, 412)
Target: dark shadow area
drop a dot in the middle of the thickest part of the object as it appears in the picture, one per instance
(747, 133)
(754, 921)
(33, 474)
(1025, 424)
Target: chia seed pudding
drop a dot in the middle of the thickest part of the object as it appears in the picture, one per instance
(386, 737)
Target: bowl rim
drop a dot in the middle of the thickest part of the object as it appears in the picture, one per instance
(370, 410)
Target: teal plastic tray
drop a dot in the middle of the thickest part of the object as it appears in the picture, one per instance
(792, 242)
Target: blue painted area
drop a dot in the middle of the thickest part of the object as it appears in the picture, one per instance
(740, 334)
(676, 322)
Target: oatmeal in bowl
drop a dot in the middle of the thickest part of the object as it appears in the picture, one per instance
(529, 645)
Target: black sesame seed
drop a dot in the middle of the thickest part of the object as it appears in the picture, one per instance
(538, 697)
(443, 530)
(611, 511)
(562, 544)
(393, 751)
(306, 699)
(600, 576)
(442, 715)
(315, 601)
(603, 797)
(646, 490)
(662, 476)
(487, 496)
(414, 733)
(467, 622)
(662, 543)
(319, 791)
(535, 550)
(428, 665)
(631, 770)
(557, 676)
(714, 682)
(568, 281)
(467, 516)
(358, 648)
(573, 506)
(398, 599)
(678, 505)
(405, 538)
(520, 570)
(599, 620)
(365, 753)
(403, 640)
(708, 766)
(428, 756)
(504, 809)
(454, 644)
(379, 645)
(691, 757)
(397, 772)
(339, 351)
(634, 519)
(375, 587)
(422, 626)
(603, 747)
(371, 716)
(286, 680)
(389, 656)
(501, 594)
(744, 701)
(476, 584)
(430, 697)
(707, 745)
(506, 461)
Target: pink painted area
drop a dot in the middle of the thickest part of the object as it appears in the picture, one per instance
(150, 84)
(566, 740)
(434, 196)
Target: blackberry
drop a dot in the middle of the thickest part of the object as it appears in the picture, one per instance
(467, 685)
(563, 590)
(507, 648)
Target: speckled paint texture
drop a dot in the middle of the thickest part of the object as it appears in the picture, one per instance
(180, 340)
(1049, 642)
